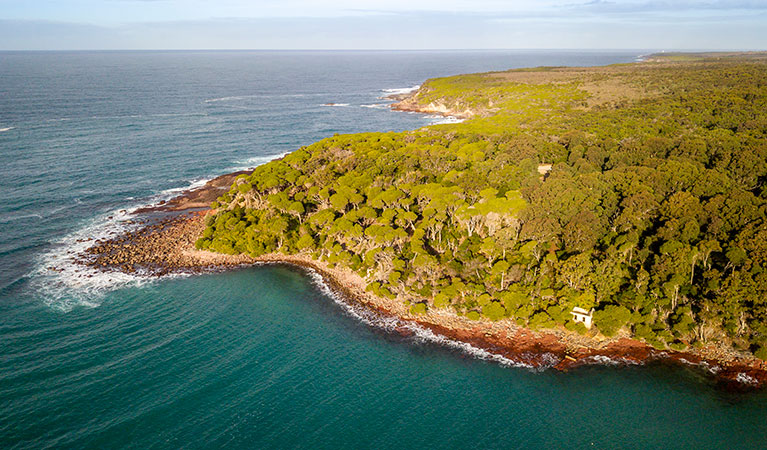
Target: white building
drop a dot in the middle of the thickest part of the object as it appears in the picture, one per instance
(583, 316)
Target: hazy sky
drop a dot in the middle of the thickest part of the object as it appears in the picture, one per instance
(379, 24)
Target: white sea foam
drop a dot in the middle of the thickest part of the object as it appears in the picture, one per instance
(744, 378)
(608, 361)
(399, 91)
(9, 219)
(167, 194)
(2, 130)
(440, 120)
(376, 106)
(229, 99)
(65, 284)
(255, 161)
(235, 98)
(420, 334)
(712, 368)
(342, 105)
(125, 116)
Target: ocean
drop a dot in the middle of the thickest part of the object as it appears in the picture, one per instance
(267, 356)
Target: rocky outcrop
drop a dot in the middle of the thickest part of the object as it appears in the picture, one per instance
(160, 247)
(197, 198)
(413, 103)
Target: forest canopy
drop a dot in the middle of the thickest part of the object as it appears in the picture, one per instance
(653, 213)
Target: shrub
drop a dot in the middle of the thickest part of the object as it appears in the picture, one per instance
(678, 346)
(494, 311)
(541, 320)
(441, 301)
(644, 331)
(577, 327)
(610, 319)
(418, 308)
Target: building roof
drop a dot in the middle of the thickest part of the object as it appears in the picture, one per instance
(578, 310)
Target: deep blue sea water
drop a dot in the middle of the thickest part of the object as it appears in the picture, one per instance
(263, 357)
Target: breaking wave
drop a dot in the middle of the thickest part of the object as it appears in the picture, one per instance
(64, 283)
(255, 161)
(234, 98)
(419, 333)
(744, 378)
(400, 91)
(441, 120)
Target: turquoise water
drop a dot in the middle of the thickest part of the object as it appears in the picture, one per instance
(263, 357)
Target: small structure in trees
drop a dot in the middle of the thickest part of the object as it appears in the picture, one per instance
(583, 316)
(544, 170)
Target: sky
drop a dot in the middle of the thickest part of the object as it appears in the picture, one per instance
(383, 24)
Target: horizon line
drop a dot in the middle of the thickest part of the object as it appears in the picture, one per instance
(564, 49)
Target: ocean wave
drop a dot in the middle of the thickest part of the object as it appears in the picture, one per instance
(714, 369)
(255, 161)
(167, 194)
(2, 130)
(9, 219)
(610, 361)
(400, 91)
(442, 120)
(420, 334)
(342, 105)
(711, 368)
(125, 116)
(376, 106)
(65, 284)
(234, 98)
(228, 99)
(745, 378)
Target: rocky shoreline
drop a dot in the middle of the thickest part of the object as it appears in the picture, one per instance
(196, 198)
(165, 244)
(409, 103)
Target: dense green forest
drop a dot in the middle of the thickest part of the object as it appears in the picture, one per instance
(654, 212)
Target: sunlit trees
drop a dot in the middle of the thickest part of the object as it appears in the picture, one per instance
(654, 211)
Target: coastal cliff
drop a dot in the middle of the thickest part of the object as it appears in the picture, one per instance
(414, 103)
(653, 214)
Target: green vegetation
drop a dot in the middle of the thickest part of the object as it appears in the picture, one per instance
(654, 212)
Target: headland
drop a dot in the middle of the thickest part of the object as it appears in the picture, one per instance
(499, 263)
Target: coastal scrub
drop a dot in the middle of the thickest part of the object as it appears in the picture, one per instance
(653, 210)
